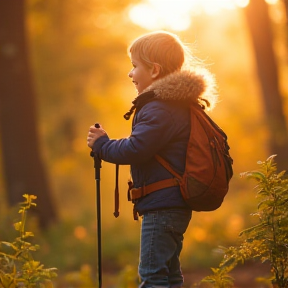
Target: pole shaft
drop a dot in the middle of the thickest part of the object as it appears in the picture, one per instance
(99, 242)
(97, 166)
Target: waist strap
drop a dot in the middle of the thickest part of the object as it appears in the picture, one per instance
(135, 193)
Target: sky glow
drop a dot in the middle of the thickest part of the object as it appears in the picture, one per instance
(176, 14)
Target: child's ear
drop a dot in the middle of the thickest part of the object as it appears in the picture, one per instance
(156, 69)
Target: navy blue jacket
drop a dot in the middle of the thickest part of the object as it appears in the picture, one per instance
(161, 126)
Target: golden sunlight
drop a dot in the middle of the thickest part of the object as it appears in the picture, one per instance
(176, 14)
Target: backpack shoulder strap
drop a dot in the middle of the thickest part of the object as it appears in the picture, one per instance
(166, 165)
(204, 118)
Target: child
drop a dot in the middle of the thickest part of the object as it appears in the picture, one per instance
(161, 125)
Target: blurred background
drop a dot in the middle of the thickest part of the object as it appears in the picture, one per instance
(64, 66)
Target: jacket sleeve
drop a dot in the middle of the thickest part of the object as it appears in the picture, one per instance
(153, 129)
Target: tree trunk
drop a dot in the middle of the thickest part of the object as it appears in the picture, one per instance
(261, 33)
(286, 9)
(286, 14)
(24, 172)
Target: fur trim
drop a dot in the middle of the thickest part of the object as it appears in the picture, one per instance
(185, 85)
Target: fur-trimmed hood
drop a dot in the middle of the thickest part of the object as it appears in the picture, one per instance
(180, 85)
(188, 86)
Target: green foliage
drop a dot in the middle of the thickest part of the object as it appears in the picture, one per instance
(268, 240)
(17, 265)
(220, 278)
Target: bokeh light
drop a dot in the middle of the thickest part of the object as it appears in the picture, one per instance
(80, 232)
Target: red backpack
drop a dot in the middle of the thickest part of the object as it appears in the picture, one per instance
(208, 168)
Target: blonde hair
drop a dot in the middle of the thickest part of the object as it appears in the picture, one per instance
(162, 48)
(171, 54)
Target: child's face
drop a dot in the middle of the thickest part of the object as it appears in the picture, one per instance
(141, 74)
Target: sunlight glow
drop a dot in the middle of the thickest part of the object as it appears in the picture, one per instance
(177, 14)
(242, 3)
(271, 1)
(159, 13)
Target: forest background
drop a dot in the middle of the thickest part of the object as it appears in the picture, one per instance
(64, 66)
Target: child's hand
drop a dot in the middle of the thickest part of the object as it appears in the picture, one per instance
(93, 134)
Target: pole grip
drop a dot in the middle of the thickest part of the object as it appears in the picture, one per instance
(97, 160)
(92, 153)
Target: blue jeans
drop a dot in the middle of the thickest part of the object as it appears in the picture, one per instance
(161, 243)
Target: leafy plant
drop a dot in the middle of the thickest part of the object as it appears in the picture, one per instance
(17, 265)
(220, 278)
(268, 240)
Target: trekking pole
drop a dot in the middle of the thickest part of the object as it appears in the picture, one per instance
(97, 166)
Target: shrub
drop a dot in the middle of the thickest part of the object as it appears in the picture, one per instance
(268, 240)
(17, 265)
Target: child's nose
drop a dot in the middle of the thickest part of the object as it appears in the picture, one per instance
(130, 74)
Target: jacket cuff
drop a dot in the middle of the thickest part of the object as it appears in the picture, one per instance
(99, 143)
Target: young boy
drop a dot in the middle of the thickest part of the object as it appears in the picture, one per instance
(161, 126)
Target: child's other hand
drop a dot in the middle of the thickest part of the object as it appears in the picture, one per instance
(93, 134)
